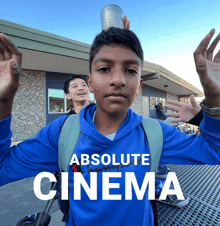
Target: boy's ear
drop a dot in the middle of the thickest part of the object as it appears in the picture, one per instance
(141, 83)
(89, 80)
(68, 96)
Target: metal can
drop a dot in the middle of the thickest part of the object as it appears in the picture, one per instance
(111, 16)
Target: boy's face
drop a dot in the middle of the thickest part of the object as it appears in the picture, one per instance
(115, 78)
(78, 90)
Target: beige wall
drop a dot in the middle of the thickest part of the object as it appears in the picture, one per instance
(29, 108)
(137, 105)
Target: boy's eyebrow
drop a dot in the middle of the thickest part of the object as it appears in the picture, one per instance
(131, 61)
(77, 83)
(103, 60)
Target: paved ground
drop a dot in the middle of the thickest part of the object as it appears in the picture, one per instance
(18, 200)
(56, 219)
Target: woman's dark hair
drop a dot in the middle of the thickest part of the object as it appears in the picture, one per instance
(116, 36)
(72, 77)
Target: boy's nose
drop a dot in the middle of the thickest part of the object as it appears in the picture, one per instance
(81, 87)
(118, 79)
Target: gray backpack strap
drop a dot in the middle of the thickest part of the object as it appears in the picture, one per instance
(154, 134)
(68, 139)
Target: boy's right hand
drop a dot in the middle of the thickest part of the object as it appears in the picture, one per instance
(183, 112)
(10, 69)
(126, 22)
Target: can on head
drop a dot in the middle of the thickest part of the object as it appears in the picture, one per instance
(111, 16)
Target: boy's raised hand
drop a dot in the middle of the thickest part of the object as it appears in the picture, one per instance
(126, 23)
(209, 69)
(10, 69)
(183, 112)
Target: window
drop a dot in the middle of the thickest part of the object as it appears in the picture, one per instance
(185, 100)
(156, 100)
(57, 101)
(152, 102)
(162, 100)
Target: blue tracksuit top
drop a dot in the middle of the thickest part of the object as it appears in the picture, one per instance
(40, 153)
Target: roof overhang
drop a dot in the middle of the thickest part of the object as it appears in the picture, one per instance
(159, 77)
(52, 53)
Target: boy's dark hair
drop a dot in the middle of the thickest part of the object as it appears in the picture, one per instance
(72, 77)
(117, 36)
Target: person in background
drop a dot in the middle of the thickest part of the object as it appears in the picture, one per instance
(160, 113)
(70, 108)
(76, 90)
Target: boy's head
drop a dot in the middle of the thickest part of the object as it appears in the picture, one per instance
(76, 88)
(116, 36)
(116, 60)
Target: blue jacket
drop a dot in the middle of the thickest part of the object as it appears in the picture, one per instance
(40, 153)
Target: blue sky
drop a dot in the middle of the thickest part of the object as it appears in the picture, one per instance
(169, 30)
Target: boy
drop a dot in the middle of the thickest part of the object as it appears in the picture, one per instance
(77, 90)
(109, 127)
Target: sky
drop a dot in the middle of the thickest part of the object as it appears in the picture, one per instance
(169, 30)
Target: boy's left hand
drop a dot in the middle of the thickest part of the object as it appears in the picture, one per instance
(209, 69)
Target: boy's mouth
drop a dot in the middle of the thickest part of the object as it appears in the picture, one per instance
(81, 94)
(116, 96)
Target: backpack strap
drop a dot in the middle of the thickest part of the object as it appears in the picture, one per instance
(154, 135)
(68, 139)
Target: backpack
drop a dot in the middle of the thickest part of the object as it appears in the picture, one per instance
(68, 138)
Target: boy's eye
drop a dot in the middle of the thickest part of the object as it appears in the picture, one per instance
(131, 71)
(104, 69)
(74, 86)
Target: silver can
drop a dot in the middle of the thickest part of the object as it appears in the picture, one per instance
(111, 16)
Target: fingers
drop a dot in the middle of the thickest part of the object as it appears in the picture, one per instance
(2, 56)
(200, 50)
(207, 43)
(126, 23)
(14, 70)
(176, 103)
(172, 108)
(193, 101)
(10, 50)
(172, 114)
(212, 47)
(5, 51)
(217, 57)
(176, 120)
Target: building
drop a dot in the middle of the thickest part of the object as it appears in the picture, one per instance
(49, 59)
